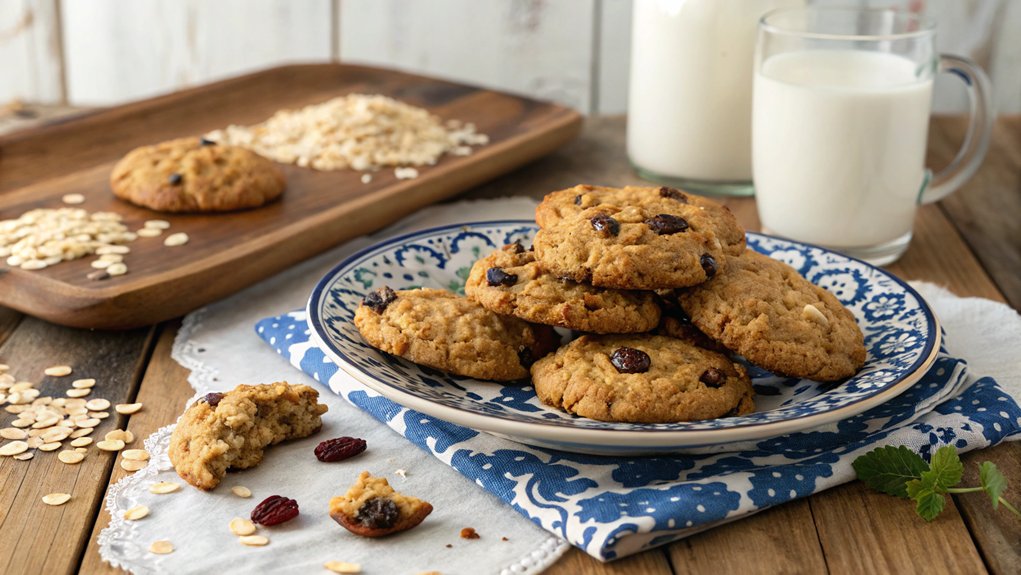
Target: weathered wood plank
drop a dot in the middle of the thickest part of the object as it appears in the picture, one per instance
(120, 51)
(34, 537)
(539, 48)
(164, 392)
(985, 210)
(996, 532)
(780, 540)
(31, 51)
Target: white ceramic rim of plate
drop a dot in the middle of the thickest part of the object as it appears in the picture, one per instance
(647, 438)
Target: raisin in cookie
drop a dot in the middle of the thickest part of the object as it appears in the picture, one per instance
(764, 310)
(371, 508)
(637, 239)
(699, 211)
(642, 379)
(196, 175)
(510, 282)
(448, 332)
(230, 430)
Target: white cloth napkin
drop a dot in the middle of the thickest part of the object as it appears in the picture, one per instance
(218, 344)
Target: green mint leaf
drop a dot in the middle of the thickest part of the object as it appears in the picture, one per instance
(928, 503)
(993, 482)
(945, 469)
(889, 468)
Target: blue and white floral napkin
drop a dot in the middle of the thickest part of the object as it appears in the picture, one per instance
(615, 506)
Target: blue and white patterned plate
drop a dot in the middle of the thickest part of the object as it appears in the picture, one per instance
(901, 335)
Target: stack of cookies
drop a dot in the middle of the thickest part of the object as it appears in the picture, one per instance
(664, 290)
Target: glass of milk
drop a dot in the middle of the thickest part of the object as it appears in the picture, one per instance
(690, 94)
(840, 121)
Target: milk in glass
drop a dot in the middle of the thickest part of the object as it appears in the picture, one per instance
(839, 139)
(689, 107)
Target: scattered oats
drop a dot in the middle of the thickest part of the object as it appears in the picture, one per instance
(97, 404)
(254, 540)
(241, 527)
(70, 457)
(125, 436)
(128, 408)
(53, 446)
(241, 491)
(56, 498)
(358, 131)
(117, 269)
(83, 383)
(99, 414)
(101, 264)
(402, 473)
(81, 449)
(13, 448)
(33, 265)
(178, 239)
(135, 513)
(149, 232)
(22, 422)
(366, 178)
(45, 423)
(110, 445)
(81, 432)
(73, 199)
(24, 456)
(58, 370)
(135, 454)
(107, 250)
(56, 434)
(35, 442)
(13, 433)
(164, 487)
(342, 567)
(89, 422)
(112, 258)
(81, 441)
(405, 173)
(157, 224)
(161, 547)
(4, 367)
(132, 465)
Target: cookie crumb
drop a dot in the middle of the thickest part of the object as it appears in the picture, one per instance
(450, 546)
(469, 533)
(504, 539)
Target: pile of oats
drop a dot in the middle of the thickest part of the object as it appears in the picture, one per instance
(361, 132)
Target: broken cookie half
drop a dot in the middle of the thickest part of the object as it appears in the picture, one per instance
(371, 508)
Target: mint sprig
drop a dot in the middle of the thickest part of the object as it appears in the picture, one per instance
(901, 472)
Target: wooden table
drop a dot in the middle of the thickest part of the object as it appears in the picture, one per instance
(970, 243)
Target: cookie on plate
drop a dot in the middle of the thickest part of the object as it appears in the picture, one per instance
(764, 310)
(702, 211)
(510, 282)
(642, 379)
(634, 238)
(371, 508)
(231, 430)
(196, 175)
(442, 330)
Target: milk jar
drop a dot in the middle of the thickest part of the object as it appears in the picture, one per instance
(690, 98)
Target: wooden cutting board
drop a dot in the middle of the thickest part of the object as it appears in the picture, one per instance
(228, 252)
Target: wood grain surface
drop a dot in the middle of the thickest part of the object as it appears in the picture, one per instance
(845, 530)
(227, 252)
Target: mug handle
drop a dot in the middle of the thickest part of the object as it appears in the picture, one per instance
(976, 140)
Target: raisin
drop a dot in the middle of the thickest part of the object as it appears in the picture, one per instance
(517, 248)
(275, 510)
(498, 277)
(673, 194)
(525, 357)
(664, 224)
(213, 399)
(175, 179)
(605, 225)
(577, 200)
(708, 264)
(379, 299)
(339, 449)
(712, 377)
(378, 513)
(630, 360)
(207, 142)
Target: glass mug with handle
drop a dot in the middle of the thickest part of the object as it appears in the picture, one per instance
(840, 120)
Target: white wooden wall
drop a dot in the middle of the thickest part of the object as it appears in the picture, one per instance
(103, 52)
